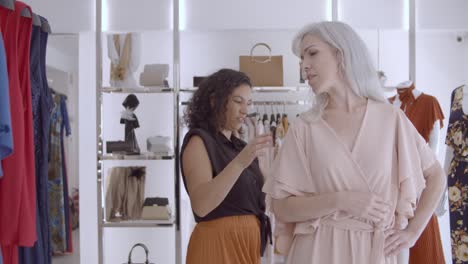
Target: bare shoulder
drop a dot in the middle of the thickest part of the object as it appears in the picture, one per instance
(194, 151)
(196, 163)
(194, 144)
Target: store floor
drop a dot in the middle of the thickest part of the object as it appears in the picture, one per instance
(73, 258)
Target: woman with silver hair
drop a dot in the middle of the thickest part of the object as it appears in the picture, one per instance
(354, 181)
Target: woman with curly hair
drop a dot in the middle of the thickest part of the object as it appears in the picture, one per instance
(221, 174)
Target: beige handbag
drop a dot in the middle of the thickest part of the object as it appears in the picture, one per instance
(262, 70)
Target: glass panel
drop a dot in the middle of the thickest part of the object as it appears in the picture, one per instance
(246, 14)
(389, 14)
(436, 14)
(124, 15)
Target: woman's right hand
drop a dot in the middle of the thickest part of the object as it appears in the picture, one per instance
(253, 149)
(364, 205)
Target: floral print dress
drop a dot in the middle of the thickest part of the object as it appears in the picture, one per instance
(457, 139)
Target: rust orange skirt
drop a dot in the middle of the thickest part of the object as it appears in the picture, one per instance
(227, 240)
(428, 248)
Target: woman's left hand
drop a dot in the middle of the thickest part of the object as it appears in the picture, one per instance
(397, 240)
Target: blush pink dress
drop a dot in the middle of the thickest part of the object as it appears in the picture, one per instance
(388, 158)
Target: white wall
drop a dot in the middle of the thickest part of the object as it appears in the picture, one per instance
(124, 15)
(66, 16)
(87, 148)
(373, 13)
(245, 14)
(436, 14)
(62, 65)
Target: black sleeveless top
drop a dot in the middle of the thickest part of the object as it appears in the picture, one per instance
(246, 196)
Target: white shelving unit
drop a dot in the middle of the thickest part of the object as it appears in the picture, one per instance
(158, 115)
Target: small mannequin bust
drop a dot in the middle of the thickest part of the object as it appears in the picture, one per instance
(403, 257)
(130, 120)
(435, 132)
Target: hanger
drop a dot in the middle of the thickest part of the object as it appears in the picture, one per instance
(265, 115)
(284, 110)
(36, 20)
(9, 4)
(45, 26)
(272, 116)
(26, 12)
(278, 115)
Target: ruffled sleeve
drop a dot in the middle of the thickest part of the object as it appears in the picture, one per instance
(289, 176)
(413, 157)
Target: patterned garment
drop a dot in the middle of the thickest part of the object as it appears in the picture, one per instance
(39, 254)
(58, 226)
(457, 138)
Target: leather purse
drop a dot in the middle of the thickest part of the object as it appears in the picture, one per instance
(262, 70)
(131, 251)
(120, 147)
(156, 208)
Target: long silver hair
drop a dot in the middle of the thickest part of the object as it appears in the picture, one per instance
(357, 65)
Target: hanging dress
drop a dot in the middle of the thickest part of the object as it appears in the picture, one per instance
(457, 139)
(57, 179)
(39, 253)
(6, 137)
(18, 184)
(423, 112)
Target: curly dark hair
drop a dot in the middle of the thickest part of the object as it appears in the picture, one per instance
(207, 107)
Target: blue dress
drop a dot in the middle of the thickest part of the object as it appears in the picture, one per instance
(42, 106)
(6, 137)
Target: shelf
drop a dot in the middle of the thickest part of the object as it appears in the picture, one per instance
(142, 156)
(137, 90)
(141, 223)
(265, 89)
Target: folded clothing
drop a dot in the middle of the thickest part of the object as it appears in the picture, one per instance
(159, 144)
(125, 193)
(154, 75)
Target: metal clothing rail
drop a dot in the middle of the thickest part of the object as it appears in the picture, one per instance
(298, 102)
(290, 102)
(263, 89)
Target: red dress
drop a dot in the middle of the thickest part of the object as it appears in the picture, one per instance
(18, 185)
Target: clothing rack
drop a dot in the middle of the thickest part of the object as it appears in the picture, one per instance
(265, 89)
(297, 102)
